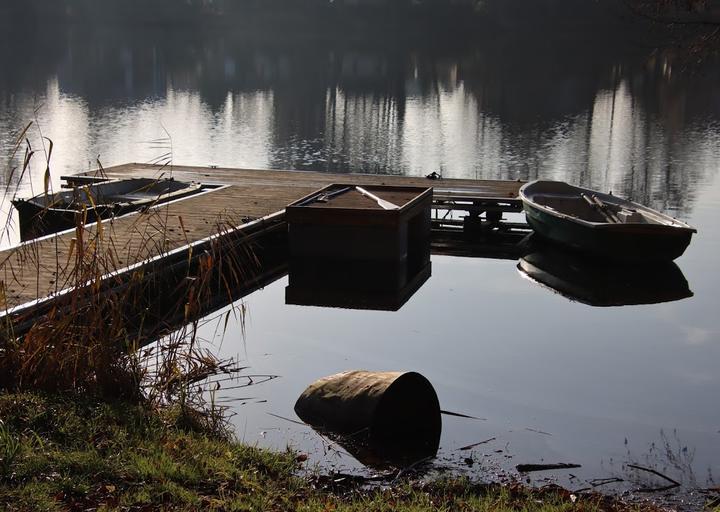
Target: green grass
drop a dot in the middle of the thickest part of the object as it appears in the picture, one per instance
(64, 452)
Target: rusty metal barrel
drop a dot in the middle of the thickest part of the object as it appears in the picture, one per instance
(388, 408)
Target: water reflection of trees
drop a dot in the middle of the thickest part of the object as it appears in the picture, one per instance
(494, 107)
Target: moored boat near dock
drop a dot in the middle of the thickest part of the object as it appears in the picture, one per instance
(49, 213)
(602, 224)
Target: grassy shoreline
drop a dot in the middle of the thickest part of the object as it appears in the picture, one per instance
(67, 452)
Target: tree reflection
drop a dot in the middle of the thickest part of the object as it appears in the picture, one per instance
(486, 106)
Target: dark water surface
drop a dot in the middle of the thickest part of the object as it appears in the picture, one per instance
(553, 380)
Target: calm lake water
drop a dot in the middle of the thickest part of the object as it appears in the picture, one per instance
(553, 380)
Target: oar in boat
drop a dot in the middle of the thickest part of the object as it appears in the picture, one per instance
(600, 207)
(606, 209)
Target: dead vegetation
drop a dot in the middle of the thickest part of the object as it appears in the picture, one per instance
(90, 337)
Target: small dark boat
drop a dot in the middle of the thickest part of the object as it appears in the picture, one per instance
(602, 224)
(50, 213)
(595, 283)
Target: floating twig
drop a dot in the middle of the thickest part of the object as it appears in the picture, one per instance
(538, 431)
(673, 483)
(529, 468)
(597, 482)
(471, 446)
(460, 415)
(288, 419)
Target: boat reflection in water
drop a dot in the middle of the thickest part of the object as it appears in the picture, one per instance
(597, 283)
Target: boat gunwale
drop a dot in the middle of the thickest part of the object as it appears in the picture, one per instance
(211, 187)
(192, 187)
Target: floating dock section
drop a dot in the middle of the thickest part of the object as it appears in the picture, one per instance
(35, 273)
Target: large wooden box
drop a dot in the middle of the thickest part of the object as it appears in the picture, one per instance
(347, 242)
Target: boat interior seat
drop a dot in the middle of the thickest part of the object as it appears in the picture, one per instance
(633, 217)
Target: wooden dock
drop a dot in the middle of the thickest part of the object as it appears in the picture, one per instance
(38, 270)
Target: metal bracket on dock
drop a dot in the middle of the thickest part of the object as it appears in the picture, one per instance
(483, 231)
(483, 213)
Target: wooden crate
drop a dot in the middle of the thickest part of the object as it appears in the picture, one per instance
(348, 248)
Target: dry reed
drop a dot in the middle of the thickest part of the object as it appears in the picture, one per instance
(89, 338)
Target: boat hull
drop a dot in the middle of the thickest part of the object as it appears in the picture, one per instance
(36, 221)
(621, 243)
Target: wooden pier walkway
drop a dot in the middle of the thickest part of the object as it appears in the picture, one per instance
(39, 269)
